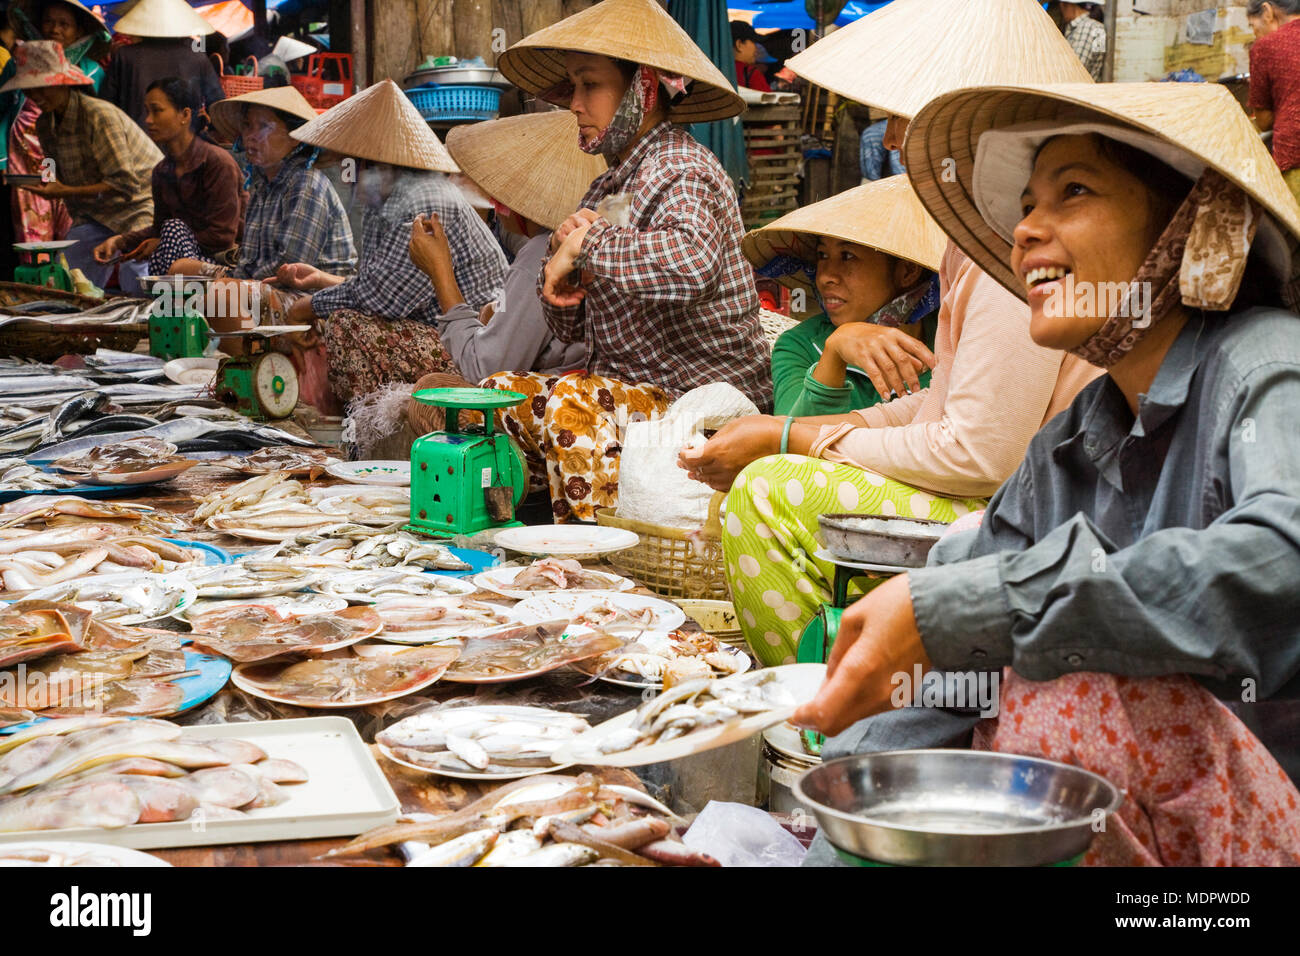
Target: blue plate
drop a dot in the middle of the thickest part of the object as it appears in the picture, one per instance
(81, 491)
(211, 553)
(213, 672)
(477, 561)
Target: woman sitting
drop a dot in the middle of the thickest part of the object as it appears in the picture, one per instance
(870, 255)
(379, 327)
(1142, 559)
(648, 274)
(198, 197)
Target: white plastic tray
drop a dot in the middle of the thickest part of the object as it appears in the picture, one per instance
(345, 793)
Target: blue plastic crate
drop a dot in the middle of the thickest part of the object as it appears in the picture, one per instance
(445, 103)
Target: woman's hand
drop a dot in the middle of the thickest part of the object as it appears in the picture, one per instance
(892, 359)
(107, 249)
(583, 217)
(558, 289)
(429, 248)
(142, 252)
(877, 640)
(736, 445)
(50, 190)
(299, 276)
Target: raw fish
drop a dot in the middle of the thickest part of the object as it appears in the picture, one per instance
(90, 803)
(349, 681)
(255, 633)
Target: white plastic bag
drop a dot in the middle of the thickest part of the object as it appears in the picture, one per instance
(737, 835)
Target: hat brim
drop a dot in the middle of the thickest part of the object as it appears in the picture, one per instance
(227, 114)
(36, 83)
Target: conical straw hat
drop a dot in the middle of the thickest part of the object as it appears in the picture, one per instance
(637, 30)
(1202, 122)
(379, 124)
(530, 163)
(226, 114)
(907, 53)
(163, 18)
(884, 215)
(289, 48)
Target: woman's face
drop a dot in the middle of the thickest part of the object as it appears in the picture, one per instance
(1088, 226)
(853, 281)
(598, 88)
(746, 51)
(163, 121)
(60, 24)
(266, 137)
(1264, 22)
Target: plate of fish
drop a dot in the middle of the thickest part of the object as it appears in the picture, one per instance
(309, 462)
(396, 473)
(192, 371)
(549, 574)
(70, 853)
(424, 620)
(249, 579)
(284, 605)
(124, 598)
(527, 650)
(253, 633)
(381, 584)
(692, 717)
(357, 547)
(150, 783)
(566, 540)
(480, 741)
(658, 657)
(356, 677)
(608, 610)
(133, 461)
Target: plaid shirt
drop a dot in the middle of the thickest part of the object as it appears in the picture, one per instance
(388, 284)
(673, 301)
(95, 142)
(295, 217)
(1087, 38)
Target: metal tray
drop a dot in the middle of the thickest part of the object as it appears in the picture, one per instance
(345, 793)
(458, 76)
(880, 539)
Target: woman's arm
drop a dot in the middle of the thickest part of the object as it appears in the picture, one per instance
(222, 187)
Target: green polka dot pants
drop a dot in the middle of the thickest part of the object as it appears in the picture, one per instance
(770, 536)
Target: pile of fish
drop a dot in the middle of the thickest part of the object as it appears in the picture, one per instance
(275, 507)
(696, 705)
(30, 560)
(543, 821)
(359, 547)
(559, 574)
(73, 511)
(672, 658)
(17, 475)
(526, 651)
(248, 578)
(354, 677)
(248, 633)
(486, 738)
(388, 583)
(127, 598)
(60, 659)
(134, 461)
(416, 620)
(310, 462)
(109, 772)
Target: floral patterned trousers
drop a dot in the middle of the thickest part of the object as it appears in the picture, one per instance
(571, 430)
(367, 352)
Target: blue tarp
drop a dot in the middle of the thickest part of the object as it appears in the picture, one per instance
(792, 15)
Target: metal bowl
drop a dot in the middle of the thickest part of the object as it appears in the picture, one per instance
(881, 539)
(458, 76)
(957, 807)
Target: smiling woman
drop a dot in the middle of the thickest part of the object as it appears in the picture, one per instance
(1141, 562)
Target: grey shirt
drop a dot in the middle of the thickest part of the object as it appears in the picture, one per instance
(517, 339)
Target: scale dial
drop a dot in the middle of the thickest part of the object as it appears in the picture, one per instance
(275, 384)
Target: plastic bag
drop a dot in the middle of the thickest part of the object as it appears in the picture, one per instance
(738, 835)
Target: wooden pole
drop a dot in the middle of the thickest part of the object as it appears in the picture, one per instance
(360, 49)
(1108, 65)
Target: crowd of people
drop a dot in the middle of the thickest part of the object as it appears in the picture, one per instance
(1123, 494)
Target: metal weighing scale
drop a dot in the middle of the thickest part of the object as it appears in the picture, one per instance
(260, 384)
(49, 273)
(466, 480)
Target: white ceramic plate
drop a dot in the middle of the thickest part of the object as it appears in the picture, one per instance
(566, 540)
(552, 605)
(784, 737)
(183, 593)
(372, 472)
(480, 776)
(586, 749)
(346, 584)
(435, 632)
(192, 371)
(67, 851)
(499, 581)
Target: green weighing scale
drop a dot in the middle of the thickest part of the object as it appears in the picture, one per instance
(35, 270)
(177, 327)
(466, 479)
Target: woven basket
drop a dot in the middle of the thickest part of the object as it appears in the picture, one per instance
(775, 325)
(235, 85)
(674, 562)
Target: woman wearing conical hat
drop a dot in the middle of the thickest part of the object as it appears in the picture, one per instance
(379, 327)
(165, 47)
(85, 41)
(935, 453)
(648, 272)
(1142, 560)
(535, 174)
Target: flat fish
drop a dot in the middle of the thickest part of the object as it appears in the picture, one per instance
(280, 770)
(239, 751)
(224, 787)
(526, 652)
(134, 697)
(350, 679)
(257, 633)
(161, 799)
(109, 804)
(97, 744)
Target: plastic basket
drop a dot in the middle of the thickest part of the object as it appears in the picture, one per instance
(235, 85)
(674, 562)
(445, 103)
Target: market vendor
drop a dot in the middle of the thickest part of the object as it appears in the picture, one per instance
(380, 326)
(535, 174)
(198, 194)
(102, 159)
(1142, 559)
(937, 453)
(166, 46)
(870, 257)
(648, 273)
(84, 40)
